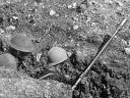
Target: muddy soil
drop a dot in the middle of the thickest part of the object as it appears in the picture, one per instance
(78, 26)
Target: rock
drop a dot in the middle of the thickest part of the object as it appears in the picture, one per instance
(38, 56)
(127, 50)
(52, 12)
(11, 27)
(75, 27)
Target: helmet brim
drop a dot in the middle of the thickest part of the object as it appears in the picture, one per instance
(20, 48)
(23, 49)
(55, 63)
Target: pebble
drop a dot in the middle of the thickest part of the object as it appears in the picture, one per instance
(124, 42)
(75, 27)
(52, 12)
(127, 50)
(1, 31)
(69, 6)
(11, 27)
(73, 5)
(15, 17)
(38, 56)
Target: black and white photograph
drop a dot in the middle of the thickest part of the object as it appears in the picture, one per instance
(64, 48)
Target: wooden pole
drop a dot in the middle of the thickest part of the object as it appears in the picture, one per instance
(99, 53)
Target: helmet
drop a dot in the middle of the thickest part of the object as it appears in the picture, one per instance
(7, 61)
(22, 42)
(57, 55)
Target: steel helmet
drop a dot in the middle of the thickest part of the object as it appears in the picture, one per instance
(7, 61)
(22, 42)
(57, 55)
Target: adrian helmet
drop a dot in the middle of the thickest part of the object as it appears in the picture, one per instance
(22, 42)
(57, 55)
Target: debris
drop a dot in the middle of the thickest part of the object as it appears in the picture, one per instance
(127, 50)
(52, 12)
(11, 27)
(75, 27)
(15, 17)
(38, 56)
(73, 5)
(1, 32)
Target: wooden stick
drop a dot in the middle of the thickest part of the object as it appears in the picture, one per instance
(98, 54)
(45, 76)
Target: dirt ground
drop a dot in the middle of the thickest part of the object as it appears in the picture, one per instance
(75, 25)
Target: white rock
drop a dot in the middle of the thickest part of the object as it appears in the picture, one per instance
(69, 6)
(75, 27)
(38, 56)
(10, 27)
(1, 31)
(125, 42)
(52, 12)
(15, 17)
(74, 5)
(127, 50)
